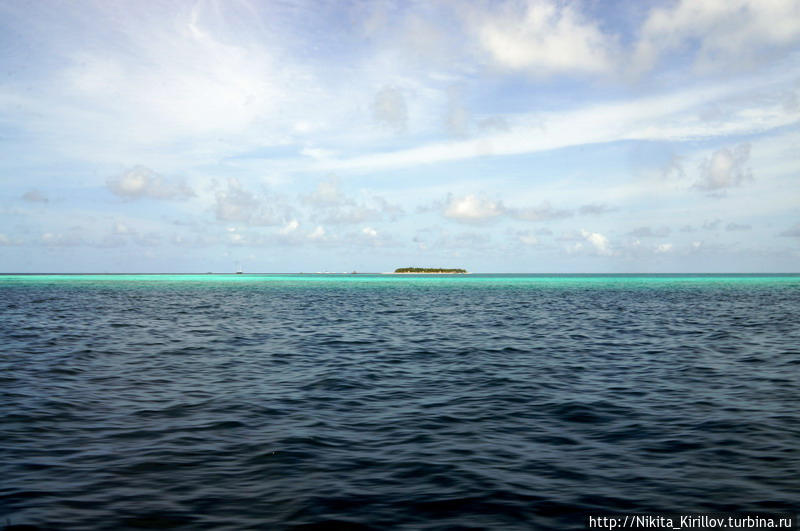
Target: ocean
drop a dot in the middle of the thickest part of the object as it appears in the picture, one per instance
(394, 402)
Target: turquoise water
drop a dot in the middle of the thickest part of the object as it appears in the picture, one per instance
(401, 280)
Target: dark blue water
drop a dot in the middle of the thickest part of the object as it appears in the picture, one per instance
(384, 402)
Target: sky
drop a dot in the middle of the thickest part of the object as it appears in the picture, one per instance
(503, 136)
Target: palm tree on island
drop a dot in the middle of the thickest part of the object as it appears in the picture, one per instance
(429, 270)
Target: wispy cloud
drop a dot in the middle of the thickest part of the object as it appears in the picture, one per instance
(543, 212)
(791, 232)
(648, 232)
(329, 204)
(719, 35)
(666, 117)
(664, 248)
(6, 241)
(733, 227)
(725, 168)
(389, 108)
(141, 182)
(238, 205)
(35, 196)
(595, 209)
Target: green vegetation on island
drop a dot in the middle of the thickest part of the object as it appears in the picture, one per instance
(428, 270)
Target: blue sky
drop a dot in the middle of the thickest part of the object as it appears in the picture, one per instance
(499, 136)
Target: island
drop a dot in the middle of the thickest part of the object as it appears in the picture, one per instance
(428, 270)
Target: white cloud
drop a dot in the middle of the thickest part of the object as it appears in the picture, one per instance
(317, 234)
(725, 168)
(664, 248)
(574, 248)
(141, 182)
(240, 205)
(527, 238)
(366, 237)
(327, 193)
(474, 208)
(331, 205)
(543, 37)
(720, 34)
(290, 227)
(598, 241)
(471, 208)
(121, 228)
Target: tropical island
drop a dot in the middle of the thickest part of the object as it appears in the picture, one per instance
(435, 270)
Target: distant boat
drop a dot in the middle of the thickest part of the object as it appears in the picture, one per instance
(238, 270)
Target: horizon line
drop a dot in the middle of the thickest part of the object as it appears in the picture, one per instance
(392, 273)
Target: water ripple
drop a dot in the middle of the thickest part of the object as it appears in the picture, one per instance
(385, 404)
